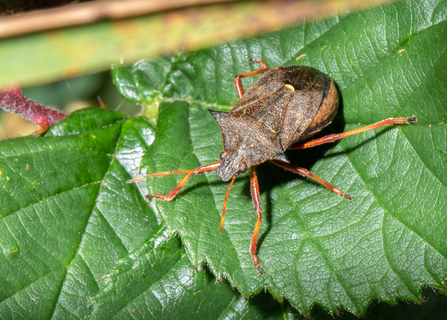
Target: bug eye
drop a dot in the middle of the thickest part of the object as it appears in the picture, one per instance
(222, 155)
(242, 168)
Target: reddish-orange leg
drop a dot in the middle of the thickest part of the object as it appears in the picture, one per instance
(225, 203)
(200, 170)
(237, 79)
(305, 173)
(254, 186)
(334, 137)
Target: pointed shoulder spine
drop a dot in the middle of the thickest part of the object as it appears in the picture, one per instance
(216, 114)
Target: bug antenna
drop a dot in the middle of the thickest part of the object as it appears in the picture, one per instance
(225, 203)
(154, 175)
(136, 179)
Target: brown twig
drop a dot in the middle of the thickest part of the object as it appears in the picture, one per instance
(88, 12)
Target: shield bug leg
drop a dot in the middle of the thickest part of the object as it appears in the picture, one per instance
(254, 187)
(237, 79)
(305, 173)
(334, 137)
(200, 170)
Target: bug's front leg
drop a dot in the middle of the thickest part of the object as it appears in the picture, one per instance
(254, 186)
(237, 79)
(200, 170)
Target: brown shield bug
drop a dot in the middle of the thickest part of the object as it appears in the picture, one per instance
(286, 105)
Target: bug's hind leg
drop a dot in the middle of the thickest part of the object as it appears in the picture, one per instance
(306, 173)
(237, 79)
(334, 137)
(200, 170)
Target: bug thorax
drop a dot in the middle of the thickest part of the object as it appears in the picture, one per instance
(246, 142)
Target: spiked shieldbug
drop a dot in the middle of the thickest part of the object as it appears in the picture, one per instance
(284, 106)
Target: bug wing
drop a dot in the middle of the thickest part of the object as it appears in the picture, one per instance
(285, 99)
(309, 87)
(266, 85)
(266, 100)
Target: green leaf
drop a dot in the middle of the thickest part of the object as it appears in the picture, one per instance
(77, 241)
(157, 281)
(68, 215)
(316, 247)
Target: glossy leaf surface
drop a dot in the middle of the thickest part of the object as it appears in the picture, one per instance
(316, 246)
(68, 216)
(79, 242)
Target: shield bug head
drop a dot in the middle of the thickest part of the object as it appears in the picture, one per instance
(232, 163)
